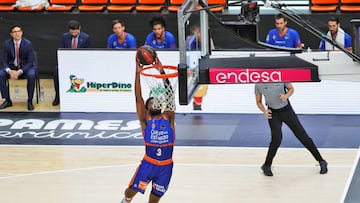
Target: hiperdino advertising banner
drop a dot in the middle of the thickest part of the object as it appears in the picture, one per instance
(103, 81)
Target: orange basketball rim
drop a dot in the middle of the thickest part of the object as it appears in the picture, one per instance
(153, 71)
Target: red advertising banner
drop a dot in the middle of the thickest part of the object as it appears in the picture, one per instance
(253, 75)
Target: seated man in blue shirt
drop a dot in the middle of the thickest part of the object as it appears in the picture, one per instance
(120, 39)
(159, 38)
(337, 34)
(282, 35)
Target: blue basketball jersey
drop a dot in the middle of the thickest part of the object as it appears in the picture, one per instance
(128, 42)
(159, 139)
(290, 39)
(167, 42)
(157, 165)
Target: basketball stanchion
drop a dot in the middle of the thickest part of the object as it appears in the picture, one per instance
(162, 81)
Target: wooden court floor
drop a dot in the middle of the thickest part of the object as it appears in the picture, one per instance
(94, 174)
(20, 101)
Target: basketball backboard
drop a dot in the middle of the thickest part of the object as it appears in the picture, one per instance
(245, 57)
(196, 47)
(192, 29)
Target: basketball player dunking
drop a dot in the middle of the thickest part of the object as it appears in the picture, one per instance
(159, 135)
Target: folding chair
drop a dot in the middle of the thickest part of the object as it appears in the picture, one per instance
(218, 9)
(92, 5)
(349, 5)
(7, 5)
(324, 5)
(150, 5)
(121, 5)
(61, 5)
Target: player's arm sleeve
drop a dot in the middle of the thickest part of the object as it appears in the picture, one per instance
(109, 44)
(297, 40)
(322, 45)
(348, 41)
(133, 43)
(268, 40)
(173, 42)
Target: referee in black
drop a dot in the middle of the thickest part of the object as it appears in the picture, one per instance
(278, 111)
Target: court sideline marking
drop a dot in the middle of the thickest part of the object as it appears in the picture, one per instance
(136, 164)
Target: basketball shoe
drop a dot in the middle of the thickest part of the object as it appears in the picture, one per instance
(266, 170)
(323, 167)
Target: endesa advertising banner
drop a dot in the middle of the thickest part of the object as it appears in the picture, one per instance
(103, 81)
(240, 70)
(255, 75)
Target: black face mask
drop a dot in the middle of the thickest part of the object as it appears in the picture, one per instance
(155, 112)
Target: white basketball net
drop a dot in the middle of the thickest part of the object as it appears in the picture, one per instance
(162, 89)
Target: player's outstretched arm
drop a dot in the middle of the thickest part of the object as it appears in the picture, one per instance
(140, 106)
(170, 97)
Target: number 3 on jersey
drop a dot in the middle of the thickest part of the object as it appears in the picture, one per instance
(159, 152)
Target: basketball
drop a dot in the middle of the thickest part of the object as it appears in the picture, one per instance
(146, 55)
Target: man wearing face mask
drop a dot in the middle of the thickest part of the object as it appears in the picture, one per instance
(73, 39)
(159, 38)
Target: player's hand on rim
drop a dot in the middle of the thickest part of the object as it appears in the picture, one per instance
(158, 65)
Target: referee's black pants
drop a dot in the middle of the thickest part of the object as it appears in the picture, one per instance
(288, 116)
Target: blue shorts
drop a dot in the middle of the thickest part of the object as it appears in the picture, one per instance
(159, 176)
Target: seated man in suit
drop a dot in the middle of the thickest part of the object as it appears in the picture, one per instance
(18, 62)
(72, 39)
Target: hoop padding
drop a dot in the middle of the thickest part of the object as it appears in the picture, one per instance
(162, 85)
